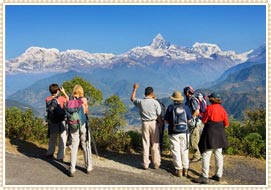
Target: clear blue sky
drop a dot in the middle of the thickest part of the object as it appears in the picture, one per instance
(118, 28)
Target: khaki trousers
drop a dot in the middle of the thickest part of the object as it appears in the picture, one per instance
(195, 134)
(150, 138)
(77, 136)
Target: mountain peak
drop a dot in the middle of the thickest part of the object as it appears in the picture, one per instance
(159, 42)
(206, 48)
(38, 49)
(159, 36)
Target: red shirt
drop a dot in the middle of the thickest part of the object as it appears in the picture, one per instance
(61, 100)
(216, 113)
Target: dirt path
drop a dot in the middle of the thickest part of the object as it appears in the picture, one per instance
(116, 169)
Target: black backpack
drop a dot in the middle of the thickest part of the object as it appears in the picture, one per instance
(163, 108)
(179, 119)
(55, 113)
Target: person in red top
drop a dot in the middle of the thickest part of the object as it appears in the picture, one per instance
(213, 138)
(57, 130)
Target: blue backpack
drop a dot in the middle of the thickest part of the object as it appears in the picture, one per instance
(179, 119)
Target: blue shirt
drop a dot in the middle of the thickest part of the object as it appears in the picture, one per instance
(193, 104)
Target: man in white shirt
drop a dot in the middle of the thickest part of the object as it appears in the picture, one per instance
(149, 110)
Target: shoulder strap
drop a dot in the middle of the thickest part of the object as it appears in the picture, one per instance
(54, 98)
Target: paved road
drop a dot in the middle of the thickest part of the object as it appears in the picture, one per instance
(30, 170)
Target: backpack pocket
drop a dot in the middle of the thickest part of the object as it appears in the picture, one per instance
(180, 128)
(73, 120)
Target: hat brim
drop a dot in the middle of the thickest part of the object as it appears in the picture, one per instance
(177, 99)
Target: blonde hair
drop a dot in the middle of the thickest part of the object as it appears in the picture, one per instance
(78, 91)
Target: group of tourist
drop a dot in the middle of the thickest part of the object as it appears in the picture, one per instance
(192, 126)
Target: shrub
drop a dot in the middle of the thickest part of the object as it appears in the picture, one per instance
(120, 141)
(24, 125)
(248, 138)
(107, 136)
(136, 140)
(255, 121)
(235, 146)
(255, 146)
(166, 141)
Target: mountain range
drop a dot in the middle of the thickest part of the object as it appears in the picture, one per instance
(165, 66)
(37, 59)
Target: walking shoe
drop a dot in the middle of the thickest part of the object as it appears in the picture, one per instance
(215, 177)
(196, 160)
(185, 172)
(145, 168)
(89, 171)
(49, 156)
(178, 173)
(201, 180)
(60, 160)
(71, 174)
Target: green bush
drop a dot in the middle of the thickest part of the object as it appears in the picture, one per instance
(255, 122)
(107, 136)
(24, 125)
(166, 141)
(248, 137)
(230, 151)
(255, 146)
(120, 141)
(136, 140)
(235, 146)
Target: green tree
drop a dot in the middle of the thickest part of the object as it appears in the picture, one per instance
(108, 130)
(115, 111)
(93, 95)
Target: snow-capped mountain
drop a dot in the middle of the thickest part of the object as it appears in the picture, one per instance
(161, 48)
(256, 57)
(37, 59)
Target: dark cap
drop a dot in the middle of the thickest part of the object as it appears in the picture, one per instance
(214, 95)
(189, 89)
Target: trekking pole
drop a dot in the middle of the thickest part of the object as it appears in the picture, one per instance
(90, 136)
(94, 144)
(88, 147)
(161, 138)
